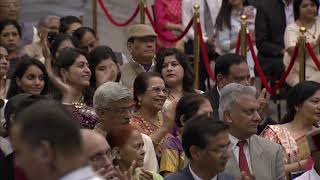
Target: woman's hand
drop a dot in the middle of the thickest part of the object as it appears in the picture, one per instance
(169, 114)
(67, 90)
(145, 175)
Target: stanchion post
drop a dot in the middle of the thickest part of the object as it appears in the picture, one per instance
(94, 16)
(142, 13)
(196, 45)
(243, 36)
(302, 54)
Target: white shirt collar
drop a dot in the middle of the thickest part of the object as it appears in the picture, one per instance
(234, 141)
(79, 174)
(195, 177)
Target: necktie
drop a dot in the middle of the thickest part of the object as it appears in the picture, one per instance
(243, 163)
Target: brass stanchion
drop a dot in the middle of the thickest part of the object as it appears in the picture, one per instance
(243, 36)
(196, 45)
(94, 16)
(302, 54)
(142, 13)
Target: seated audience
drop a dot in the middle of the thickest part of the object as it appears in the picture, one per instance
(73, 81)
(313, 139)
(176, 72)
(46, 25)
(141, 44)
(114, 106)
(87, 38)
(104, 66)
(309, 20)
(53, 132)
(30, 76)
(149, 94)
(127, 147)
(251, 154)
(302, 106)
(59, 42)
(172, 155)
(68, 24)
(4, 64)
(206, 144)
(98, 151)
(10, 37)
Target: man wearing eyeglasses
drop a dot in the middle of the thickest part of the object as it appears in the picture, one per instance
(98, 151)
(206, 144)
(114, 106)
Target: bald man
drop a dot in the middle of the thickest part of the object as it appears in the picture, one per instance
(98, 151)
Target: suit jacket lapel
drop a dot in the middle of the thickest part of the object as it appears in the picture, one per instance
(232, 166)
(256, 156)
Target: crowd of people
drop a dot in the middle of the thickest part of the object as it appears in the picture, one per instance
(72, 110)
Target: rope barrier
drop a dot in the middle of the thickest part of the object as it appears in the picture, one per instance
(238, 44)
(260, 71)
(204, 52)
(313, 55)
(161, 36)
(119, 24)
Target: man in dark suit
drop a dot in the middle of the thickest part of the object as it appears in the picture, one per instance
(271, 20)
(228, 68)
(206, 144)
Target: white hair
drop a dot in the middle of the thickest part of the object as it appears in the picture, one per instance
(230, 94)
(110, 92)
(46, 19)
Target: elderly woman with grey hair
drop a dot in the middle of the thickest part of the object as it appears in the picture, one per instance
(47, 24)
(114, 105)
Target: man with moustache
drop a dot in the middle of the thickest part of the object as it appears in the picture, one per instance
(141, 44)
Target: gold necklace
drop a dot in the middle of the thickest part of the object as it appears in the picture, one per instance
(146, 124)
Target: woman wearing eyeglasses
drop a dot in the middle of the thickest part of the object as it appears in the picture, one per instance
(150, 93)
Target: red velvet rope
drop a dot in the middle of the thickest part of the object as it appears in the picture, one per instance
(204, 52)
(260, 71)
(161, 36)
(119, 24)
(238, 43)
(313, 55)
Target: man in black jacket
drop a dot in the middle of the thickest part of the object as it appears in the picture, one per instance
(271, 20)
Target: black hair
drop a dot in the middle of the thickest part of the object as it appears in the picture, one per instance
(66, 59)
(197, 131)
(80, 32)
(224, 16)
(66, 21)
(141, 84)
(187, 107)
(224, 62)
(20, 70)
(97, 55)
(16, 104)
(52, 123)
(7, 22)
(296, 7)
(56, 42)
(297, 95)
(188, 77)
